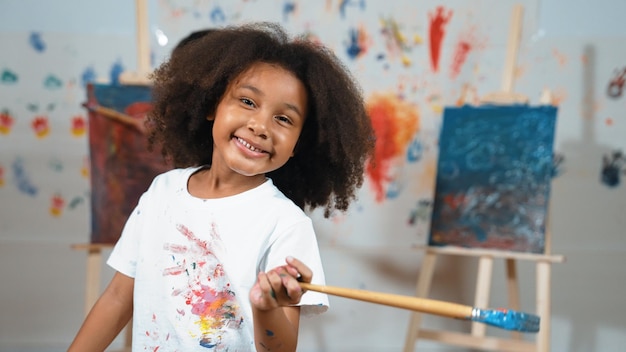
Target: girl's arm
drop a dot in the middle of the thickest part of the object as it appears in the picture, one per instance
(108, 316)
(276, 329)
(276, 319)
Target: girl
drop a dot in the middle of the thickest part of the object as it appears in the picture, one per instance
(261, 128)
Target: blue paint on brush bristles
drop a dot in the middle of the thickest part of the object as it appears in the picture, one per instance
(507, 319)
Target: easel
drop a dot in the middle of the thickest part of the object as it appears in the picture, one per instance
(477, 337)
(139, 77)
(92, 282)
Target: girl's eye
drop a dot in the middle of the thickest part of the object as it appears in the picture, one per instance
(283, 119)
(247, 101)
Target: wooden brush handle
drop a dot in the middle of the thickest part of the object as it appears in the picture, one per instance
(424, 305)
(116, 116)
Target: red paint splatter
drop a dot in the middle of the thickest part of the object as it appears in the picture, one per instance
(41, 126)
(469, 40)
(56, 205)
(395, 123)
(79, 125)
(454, 201)
(6, 122)
(460, 55)
(438, 21)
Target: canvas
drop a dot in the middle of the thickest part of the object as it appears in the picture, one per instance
(494, 170)
(122, 167)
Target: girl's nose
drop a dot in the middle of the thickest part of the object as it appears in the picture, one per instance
(258, 125)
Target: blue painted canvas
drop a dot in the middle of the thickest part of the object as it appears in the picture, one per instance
(493, 177)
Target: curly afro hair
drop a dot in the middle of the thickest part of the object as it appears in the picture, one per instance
(337, 138)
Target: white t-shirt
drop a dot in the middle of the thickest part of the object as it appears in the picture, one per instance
(195, 260)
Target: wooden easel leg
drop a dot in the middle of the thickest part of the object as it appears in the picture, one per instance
(92, 287)
(422, 290)
(543, 305)
(513, 289)
(483, 289)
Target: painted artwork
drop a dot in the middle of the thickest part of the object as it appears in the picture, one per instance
(493, 177)
(122, 167)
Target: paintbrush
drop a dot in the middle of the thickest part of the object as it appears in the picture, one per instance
(116, 116)
(501, 318)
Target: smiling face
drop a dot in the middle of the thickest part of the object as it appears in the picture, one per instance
(258, 121)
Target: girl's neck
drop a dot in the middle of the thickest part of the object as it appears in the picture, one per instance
(207, 184)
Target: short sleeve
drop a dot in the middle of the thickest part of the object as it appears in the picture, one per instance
(299, 241)
(123, 258)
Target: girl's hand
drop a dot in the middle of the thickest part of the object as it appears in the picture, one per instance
(279, 287)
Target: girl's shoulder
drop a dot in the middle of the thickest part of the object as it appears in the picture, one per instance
(172, 180)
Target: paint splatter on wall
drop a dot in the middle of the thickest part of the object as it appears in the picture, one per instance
(391, 47)
(395, 123)
(438, 21)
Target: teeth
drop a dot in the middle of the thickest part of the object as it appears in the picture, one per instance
(247, 145)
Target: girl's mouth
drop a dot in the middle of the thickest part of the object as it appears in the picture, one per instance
(249, 146)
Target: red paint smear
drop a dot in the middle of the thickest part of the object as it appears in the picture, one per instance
(173, 271)
(190, 235)
(57, 202)
(6, 122)
(437, 32)
(460, 55)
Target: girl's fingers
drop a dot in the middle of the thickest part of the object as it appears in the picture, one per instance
(298, 269)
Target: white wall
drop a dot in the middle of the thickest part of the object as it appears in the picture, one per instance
(571, 48)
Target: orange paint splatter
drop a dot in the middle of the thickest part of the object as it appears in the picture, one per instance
(395, 123)
(84, 169)
(438, 22)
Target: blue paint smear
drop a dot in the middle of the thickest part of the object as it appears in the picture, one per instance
(207, 344)
(36, 42)
(88, 76)
(23, 183)
(75, 202)
(508, 320)
(32, 107)
(52, 82)
(612, 168)
(353, 49)
(345, 3)
(269, 332)
(9, 77)
(116, 70)
(217, 15)
(288, 9)
(394, 189)
(415, 151)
